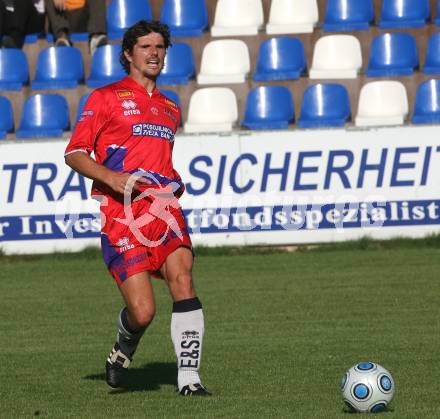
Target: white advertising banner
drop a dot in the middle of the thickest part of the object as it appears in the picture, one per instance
(271, 187)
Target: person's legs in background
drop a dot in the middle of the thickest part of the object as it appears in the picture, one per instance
(36, 18)
(58, 23)
(19, 19)
(96, 25)
(2, 19)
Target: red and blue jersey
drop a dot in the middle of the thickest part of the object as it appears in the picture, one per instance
(129, 131)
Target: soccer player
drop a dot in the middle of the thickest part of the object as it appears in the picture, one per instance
(130, 127)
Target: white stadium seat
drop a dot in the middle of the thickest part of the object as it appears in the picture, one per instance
(212, 109)
(237, 18)
(336, 57)
(292, 16)
(224, 61)
(381, 103)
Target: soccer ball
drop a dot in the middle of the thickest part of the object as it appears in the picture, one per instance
(367, 387)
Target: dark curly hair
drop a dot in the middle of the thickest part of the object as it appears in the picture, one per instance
(142, 28)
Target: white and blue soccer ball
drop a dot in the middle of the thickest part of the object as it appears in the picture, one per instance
(367, 387)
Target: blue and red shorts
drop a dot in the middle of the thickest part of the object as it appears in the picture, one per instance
(140, 236)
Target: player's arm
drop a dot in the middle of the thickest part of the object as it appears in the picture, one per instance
(86, 166)
(94, 118)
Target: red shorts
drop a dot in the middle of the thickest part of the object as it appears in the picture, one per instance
(139, 237)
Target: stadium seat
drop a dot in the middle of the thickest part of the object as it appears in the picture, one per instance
(292, 16)
(81, 103)
(427, 103)
(212, 109)
(325, 105)
(336, 57)
(74, 37)
(437, 19)
(44, 115)
(58, 68)
(269, 107)
(121, 14)
(393, 54)
(348, 15)
(105, 67)
(432, 62)
(382, 103)
(237, 18)
(6, 117)
(32, 38)
(14, 69)
(224, 61)
(404, 13)
(179, 65)
(280, 59)
(185, 18)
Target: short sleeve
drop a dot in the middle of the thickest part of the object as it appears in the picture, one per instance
(91, 121)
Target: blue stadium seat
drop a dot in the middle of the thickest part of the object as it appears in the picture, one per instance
(280, 59)
(393, 54)
(269, 107)
(432, 61)
(74, 37)
(14, 69)
(437, 19)
(32, 38)
(121, 14)
(105, 67)
(185, 18)
(427, 103)
(81, 103)
(404, 14)
(44, 115)
(348, 15)
(179, 65)
(6, 117)
(58, 68)
(324, 105)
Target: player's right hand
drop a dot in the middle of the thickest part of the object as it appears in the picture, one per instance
(127, 183)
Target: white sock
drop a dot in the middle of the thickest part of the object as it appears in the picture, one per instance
(187, 329)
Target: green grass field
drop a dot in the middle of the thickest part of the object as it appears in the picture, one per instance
(281, 329)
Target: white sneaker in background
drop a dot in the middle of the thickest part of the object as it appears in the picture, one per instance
(97, 41)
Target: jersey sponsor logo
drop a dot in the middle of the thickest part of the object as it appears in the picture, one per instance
(153, 130)
(124, 94)
(171, 103)
(170, 114)
(84, 115)
(124, 244)
(130, 108)
(128, 104)
(154, 110)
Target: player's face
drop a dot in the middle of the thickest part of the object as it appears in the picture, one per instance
(148, 55)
